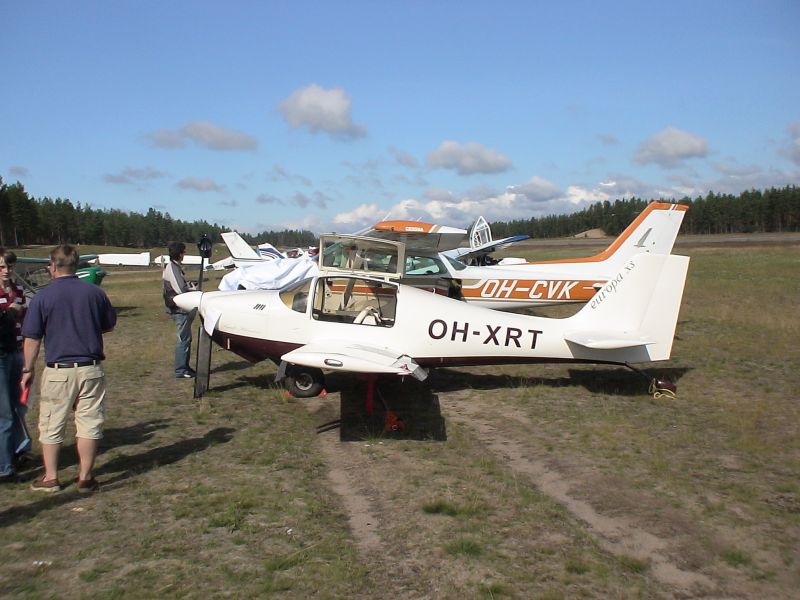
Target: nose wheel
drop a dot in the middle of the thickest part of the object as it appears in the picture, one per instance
(304, 382)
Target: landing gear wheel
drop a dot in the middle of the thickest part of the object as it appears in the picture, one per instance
(304, 382)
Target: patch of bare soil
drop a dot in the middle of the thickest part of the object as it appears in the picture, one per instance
(345, 463)
(382, 481)
(625, 521)
(618, 535)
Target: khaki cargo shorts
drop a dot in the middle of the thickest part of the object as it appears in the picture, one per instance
(82, 389)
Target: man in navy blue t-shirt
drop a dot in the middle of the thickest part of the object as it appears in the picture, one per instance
(71, 316)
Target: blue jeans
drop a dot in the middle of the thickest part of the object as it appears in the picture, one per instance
(10, 424)
(183, 342)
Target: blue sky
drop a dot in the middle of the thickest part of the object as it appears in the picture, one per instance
(330, 115)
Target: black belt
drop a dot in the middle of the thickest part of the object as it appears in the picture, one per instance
(70, 365)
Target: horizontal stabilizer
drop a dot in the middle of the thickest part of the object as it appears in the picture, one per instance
(607, 340)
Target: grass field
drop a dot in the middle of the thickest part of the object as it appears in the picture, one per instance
(512, 482)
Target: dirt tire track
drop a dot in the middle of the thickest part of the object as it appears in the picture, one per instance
(362, 491)
(615, 535)
(344, 461)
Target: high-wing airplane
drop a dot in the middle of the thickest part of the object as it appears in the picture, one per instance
(432, 260)
(123, 259)
(32, 272)
(525, 284)
(193, 260)
(364, 323)
(243, 253)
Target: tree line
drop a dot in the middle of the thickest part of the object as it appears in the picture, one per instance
(28, 221)
(752, 211)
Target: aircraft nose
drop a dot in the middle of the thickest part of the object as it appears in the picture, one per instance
(188, 301)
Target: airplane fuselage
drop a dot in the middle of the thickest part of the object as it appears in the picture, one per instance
(431, 329)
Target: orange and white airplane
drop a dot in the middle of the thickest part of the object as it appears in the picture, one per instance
(430, 262)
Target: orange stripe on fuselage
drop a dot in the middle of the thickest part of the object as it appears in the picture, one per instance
(622, 237)
(555, 290)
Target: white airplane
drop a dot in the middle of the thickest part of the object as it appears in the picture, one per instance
(195, 261)
(523, 284)
(123, 259)
(362, 323)
(433, 262)
(243, 254)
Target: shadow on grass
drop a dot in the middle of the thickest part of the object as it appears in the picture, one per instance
(620, 381)
(125, 467)
(112, 438)
(264, 382)
(124, 310)
(235, 365)
(413, 402)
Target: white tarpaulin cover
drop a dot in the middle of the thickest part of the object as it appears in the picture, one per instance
(269, 275)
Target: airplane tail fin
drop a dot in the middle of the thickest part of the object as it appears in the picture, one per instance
(653, 231)
(238, 248)
(635, 312)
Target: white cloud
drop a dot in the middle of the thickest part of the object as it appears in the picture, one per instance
(218, 138)
(754, 178)
(321, 110)
(670, 147)
(404, 158)
(608, 139)
(203, 134)
(269, 199)
(468, 159)
(537, 189)
(200, 185)
(281, 174)
(537, 197)
(361, 216)
(438, 194)
(167, 138)
(317, 200)
(731, 168)
(791, 149)
(130, 175)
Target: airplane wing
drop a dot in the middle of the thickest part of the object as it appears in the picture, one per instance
(487, 248)
(127, 259)
(418, 235)
(344, 355)
(30, 260)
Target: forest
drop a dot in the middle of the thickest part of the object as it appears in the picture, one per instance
(27, 221)
(753, 211)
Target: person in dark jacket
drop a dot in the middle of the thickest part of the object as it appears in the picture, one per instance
(174, 283)
(12, 311)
